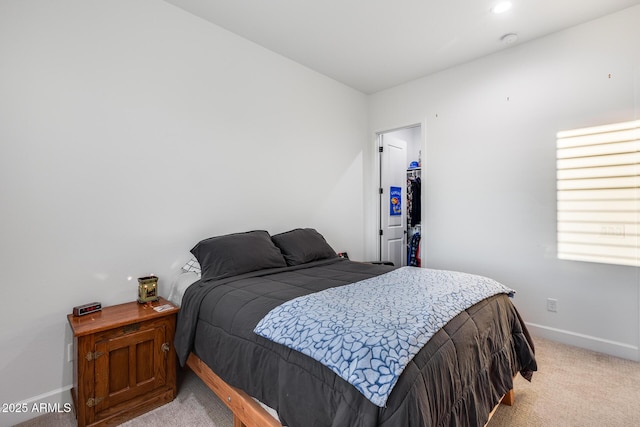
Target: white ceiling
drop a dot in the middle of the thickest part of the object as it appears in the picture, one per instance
(372, 45)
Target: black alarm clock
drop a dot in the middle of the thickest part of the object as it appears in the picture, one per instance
(83, 309)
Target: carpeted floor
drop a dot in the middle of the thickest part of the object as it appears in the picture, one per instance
(577, 388)
(573, 388)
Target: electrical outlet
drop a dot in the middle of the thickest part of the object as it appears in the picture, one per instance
(69, 352)
(552, 305)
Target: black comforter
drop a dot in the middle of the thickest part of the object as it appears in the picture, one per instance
(455, 380)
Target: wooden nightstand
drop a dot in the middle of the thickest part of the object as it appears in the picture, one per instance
(124, 364)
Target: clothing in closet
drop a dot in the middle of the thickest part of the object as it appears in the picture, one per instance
(414, 209)
(414, 215)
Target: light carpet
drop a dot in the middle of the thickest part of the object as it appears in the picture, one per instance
(573, 387)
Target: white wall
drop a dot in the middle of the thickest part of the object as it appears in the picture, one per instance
(490, 204)
(129, 130)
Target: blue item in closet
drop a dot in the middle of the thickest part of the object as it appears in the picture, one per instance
(412, 253)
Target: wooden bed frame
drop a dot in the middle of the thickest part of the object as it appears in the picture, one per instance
(249, 413)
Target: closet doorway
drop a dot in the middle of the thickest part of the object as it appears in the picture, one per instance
(400, 190)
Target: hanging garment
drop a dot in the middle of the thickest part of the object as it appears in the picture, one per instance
(409, 199)
(413, 254)
(416, 202)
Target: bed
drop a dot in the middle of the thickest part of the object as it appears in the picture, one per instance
(455, 379)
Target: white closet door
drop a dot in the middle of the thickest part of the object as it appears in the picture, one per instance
(393, 215)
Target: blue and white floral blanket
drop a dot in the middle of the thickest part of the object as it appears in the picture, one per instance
(367, 332)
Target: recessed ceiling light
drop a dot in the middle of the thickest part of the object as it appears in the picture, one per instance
(501, 7)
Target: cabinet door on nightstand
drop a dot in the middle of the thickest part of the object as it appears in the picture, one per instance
(131, 365)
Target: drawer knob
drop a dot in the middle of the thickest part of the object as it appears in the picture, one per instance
(165, 347)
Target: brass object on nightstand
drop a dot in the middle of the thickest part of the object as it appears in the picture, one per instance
(147, 289)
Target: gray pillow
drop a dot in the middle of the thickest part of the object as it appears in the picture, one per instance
(233, 254)
(303, 245)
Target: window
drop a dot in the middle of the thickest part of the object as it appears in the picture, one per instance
(599, 194)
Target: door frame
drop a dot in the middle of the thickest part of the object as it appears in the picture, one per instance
(378, 176)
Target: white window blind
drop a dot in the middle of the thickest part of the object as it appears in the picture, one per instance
(598, 183)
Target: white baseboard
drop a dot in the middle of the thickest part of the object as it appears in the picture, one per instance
(614, 348)
(58, 400)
